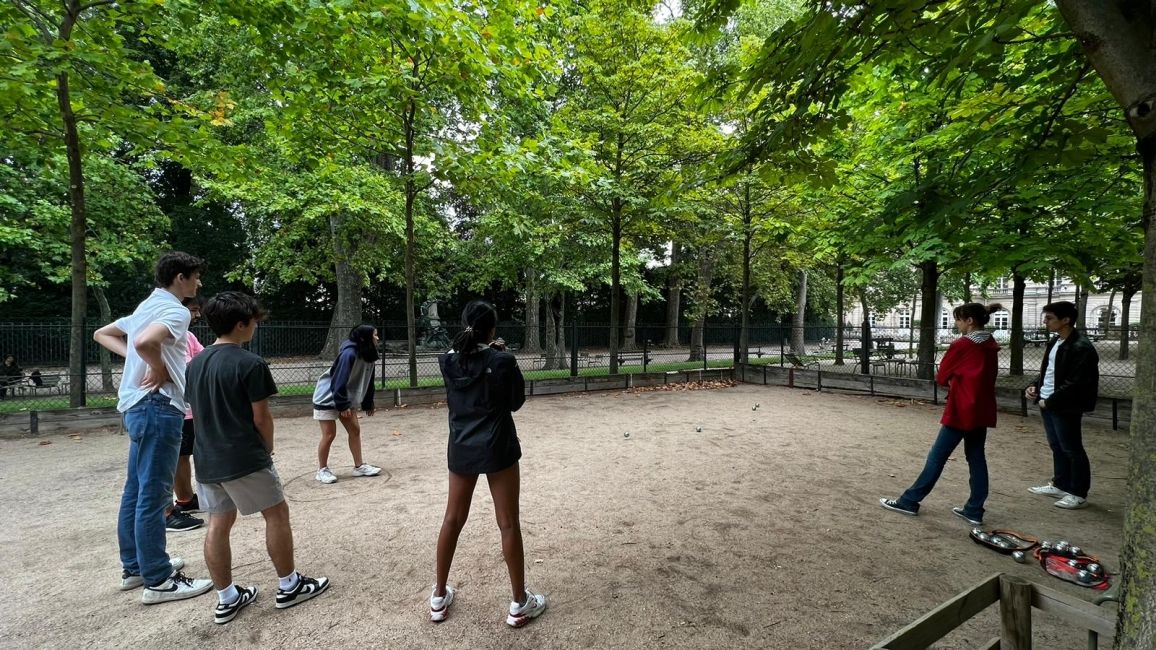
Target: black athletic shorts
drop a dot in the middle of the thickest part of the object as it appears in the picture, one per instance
(187, 438)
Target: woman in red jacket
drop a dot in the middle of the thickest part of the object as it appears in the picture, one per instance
(968, 369)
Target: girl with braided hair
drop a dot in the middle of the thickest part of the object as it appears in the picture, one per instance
(483, 387)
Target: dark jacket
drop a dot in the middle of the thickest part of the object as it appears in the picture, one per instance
(1077, 375)
(10, 375)
(481, 395)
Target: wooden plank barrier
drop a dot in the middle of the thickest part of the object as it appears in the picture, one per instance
(1016, 598)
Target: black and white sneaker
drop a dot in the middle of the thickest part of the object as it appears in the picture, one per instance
(306, 588)
(893, 505)
(178, 522)
(224, 613)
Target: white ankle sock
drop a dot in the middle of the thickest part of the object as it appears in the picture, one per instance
(289, 582)
(228, 595)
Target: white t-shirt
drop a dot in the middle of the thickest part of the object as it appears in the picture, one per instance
(166, 309)
(1049, 385)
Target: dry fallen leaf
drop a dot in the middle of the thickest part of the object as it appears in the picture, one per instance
(45, 442)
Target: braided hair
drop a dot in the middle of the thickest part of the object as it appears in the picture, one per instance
(362, 335)
(479, 318)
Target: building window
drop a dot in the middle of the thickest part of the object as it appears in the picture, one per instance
(1001, 320)
(944, 319)
(1001, 283)
(904, 319)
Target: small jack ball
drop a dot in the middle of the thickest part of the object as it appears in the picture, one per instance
(1019, 556)
(699, 429)
(626, 435)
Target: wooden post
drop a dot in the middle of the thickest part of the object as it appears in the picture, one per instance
(33, 423)
(1015, 613)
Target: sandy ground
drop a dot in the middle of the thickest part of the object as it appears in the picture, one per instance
(761, 531)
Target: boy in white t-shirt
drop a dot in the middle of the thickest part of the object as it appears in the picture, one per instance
(152, 401)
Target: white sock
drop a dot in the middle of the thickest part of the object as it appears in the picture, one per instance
(228, 595)
(289, 582)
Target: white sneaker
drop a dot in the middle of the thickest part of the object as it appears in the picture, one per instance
(130, 581)
(439, 606)
(177, 587)
(1072, 502)
(520, 613)
(1048, 490)
(365, 469)
(326, 476)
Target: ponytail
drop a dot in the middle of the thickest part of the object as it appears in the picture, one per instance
(478, 319)
(977, 312)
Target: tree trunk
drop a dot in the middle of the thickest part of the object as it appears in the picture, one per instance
(967, 287)
(798, 324)
(706, 270)
(630, 332)
(347, 313)
(745, 297)
(533, 306)
(1082, 307)
(839, 309)
(1107, 315)
(556, 332)
(673, 295)
(911, 326)
(929, 317)
(1019, 285)
(106, 383)
(865, 334)
(1051, 284)
(615, 279)
(410, 114)
(1117, 38)
(1125, 325)
(78, 228)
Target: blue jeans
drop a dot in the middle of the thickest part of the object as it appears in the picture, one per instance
(1071, 470)
(154, 433)
(945, 443)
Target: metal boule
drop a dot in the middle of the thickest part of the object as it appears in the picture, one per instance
(1076, 550)
(984, 537)
(1085, 576)
(976, 531)
(1095, 568)
(626, 434)
(699, 429)
(1019, 556)
(1073, 563)
(1061, 546)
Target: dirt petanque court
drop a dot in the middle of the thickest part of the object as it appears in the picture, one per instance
(762, 530)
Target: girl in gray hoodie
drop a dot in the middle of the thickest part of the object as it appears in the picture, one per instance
(346, 386)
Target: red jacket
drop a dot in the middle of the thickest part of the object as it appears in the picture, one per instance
(969, 369)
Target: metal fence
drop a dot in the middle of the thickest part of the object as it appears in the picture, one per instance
(294, 350)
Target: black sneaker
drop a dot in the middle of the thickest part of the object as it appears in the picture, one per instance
(892, 504)
(224, 613)
(178, 522)
(193, 505)
(306, 589)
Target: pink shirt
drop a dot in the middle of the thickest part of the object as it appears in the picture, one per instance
(193, 348)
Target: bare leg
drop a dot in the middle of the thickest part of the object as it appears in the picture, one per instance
(457, 511)
(353, 428)
(279, 538)
(218, 552)
(505, 487)
(183, 481)
(328, 434)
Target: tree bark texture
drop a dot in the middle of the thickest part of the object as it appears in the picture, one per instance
(556, 332)
(615, 280)
(928, 319)
(798, 331)
(673, 298)
(1019, 285)
(630, 332)
(1117, 38)
(840, 310)
(745, 297)
(706, 269)
(106, 383)
(347, 312)
(533, 308)
(1125, 323)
